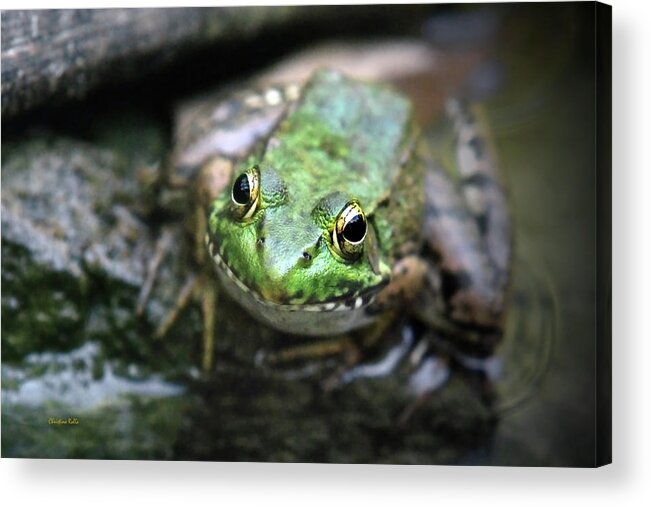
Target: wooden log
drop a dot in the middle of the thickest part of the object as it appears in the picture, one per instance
(53, 54)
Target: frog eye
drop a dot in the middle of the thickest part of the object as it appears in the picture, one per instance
(245, 193)
(350, 231)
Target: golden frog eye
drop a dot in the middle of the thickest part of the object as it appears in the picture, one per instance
(350, 231)
(245, 193)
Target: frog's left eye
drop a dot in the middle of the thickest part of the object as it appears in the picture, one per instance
(350, 231)
(245, 193)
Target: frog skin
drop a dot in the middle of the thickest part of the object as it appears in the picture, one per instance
(335, 213)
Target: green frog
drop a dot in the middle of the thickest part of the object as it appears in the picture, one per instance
(323, 214)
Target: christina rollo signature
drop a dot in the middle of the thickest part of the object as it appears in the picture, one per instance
(63, 420)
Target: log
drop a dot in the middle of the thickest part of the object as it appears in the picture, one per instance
(55, 54)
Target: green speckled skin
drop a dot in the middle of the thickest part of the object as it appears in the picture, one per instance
(342, 140)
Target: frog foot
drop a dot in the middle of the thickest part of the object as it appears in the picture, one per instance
(340, 345)
(381, 368)
(195, 287)
(427, 364)
(431, 374)
(428, 372)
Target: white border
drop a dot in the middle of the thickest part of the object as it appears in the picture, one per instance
(627, 482)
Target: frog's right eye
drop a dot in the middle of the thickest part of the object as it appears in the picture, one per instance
(245, 193)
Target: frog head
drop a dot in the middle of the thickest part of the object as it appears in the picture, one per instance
(302, 259)
(306, 236)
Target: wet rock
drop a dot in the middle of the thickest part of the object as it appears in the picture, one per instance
(74, 253)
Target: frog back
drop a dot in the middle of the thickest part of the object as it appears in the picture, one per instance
(345, 135)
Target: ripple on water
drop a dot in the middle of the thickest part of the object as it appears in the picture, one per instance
(530, 334)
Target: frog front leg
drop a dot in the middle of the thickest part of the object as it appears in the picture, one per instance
(467, 227)
(212, 135)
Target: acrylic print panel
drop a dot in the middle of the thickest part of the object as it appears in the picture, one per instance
(352, 234)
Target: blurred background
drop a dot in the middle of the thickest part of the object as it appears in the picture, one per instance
(90, 97)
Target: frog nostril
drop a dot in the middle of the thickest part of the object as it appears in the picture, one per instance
(307, 256)
(260, 242)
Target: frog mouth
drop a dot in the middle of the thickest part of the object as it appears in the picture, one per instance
(351, 302)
